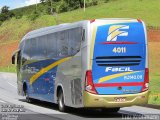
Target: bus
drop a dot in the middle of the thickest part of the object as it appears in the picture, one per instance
(99, 64)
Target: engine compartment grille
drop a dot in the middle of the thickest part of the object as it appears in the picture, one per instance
(118, 60)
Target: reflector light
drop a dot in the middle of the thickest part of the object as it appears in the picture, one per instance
(89, 83)
(146, 80)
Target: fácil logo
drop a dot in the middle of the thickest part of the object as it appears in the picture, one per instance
(117, 30)
(118, 69)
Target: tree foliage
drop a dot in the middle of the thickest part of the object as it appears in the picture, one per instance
(45, 7)
(5, 14)
(59, 6)
(5, 9)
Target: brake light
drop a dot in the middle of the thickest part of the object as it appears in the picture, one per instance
(146, 80)
(89, 86)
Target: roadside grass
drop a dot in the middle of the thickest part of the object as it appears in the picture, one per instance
(154, 97)
(10, 68)
(154, 70)
(14, 29)
(147, 10)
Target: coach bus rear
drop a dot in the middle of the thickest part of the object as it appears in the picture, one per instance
(117, 74)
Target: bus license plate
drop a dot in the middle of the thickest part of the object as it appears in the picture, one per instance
(120, 99)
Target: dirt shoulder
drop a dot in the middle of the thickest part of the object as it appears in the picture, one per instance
(153, 35)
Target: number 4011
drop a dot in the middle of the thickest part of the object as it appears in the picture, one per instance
(119, 50)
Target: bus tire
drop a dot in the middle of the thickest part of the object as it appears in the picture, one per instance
(110, 110)
(61, 104)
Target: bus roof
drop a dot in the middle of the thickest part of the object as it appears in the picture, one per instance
(50, 29)
(47, 30)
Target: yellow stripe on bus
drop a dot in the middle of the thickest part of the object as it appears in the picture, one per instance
(106, 78)
(92, 45)
(44, 70)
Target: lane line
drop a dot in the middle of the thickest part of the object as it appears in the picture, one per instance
(12, 85)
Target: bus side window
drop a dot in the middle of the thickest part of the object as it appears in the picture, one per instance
(75, 37)
(52, 45)
(83, 35)
(26, 51)
(62, 43)
(33, 48)
(41, 47)
(19, 60)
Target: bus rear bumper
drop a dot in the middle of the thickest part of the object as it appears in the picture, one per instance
(111, 101)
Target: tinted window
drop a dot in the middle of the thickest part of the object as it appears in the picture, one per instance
(41, 50)
(52, 45)
(26, 50)
(35, 48)
(62, 44)
(75, 37)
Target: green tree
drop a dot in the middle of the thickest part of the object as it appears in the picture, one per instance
(5, 13)
(5, 9)
(57, 6)
(42, 1)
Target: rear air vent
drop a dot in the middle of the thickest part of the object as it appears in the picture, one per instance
(118, 60)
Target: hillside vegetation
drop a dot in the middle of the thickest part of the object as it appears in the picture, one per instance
(11, 31)
(14, 29)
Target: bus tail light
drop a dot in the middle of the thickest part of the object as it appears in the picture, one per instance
(146, 80)
(89, 86)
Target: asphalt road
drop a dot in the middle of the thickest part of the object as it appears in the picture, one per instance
(14, 107)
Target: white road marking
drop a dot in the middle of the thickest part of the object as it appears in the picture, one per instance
(12, 85)
(2, 101)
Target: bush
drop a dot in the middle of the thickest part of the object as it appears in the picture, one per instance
(34, 16)
(95, 2)
(91, 2)
(5, 14)
(18, 16)
(1, 23)
(106, 1)
(61, 7)
(3, 17)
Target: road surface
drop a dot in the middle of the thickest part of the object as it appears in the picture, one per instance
(14, 107)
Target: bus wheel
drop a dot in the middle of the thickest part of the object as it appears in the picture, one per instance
(110, 110)
(61, 104)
